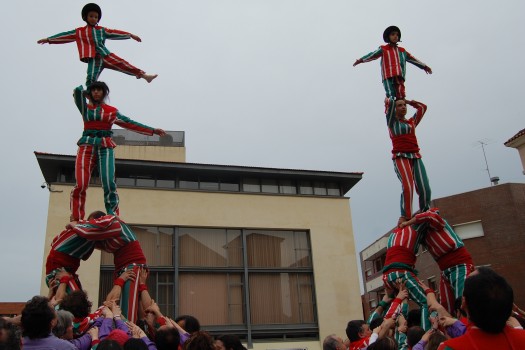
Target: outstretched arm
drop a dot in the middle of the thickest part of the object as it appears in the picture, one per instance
(374, 55)
(418, 63)
(60, 38)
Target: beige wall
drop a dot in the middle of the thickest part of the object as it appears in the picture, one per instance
(328, 219)
(156, 153)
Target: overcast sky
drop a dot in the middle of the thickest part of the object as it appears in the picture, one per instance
(265, 83)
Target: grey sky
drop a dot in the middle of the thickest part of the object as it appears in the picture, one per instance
(265, 83)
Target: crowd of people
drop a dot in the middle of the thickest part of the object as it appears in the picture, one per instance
(485, 317)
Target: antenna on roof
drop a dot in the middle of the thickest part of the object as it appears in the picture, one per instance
(493, 179)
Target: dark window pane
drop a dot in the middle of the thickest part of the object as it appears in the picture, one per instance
(305, 187)
(166, 183)
(145, 182)
(209, 184)
(125, 181)
(319, 188)
(214, 299)
(287, 187)
(191, 184)
(269, 186)
(210, 247)
(277, 249)
(251, 185)
(229, 186)
(333, 189)
(291, 296)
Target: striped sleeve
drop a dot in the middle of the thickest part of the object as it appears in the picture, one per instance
(390, 112)
(415, 61)
(127, 123)
(374, 55)
(433, 219)
(115, 34)
(80, 101)
(63, 38)
(99, 229)
(421, 109)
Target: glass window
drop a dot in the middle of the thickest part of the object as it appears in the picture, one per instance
(320, 188)
(189, 183)
(251, 185)
(125, 181)
(228, 185)
(166, 183)
(277, 249)
(145, 182)
(210, 247)
(305, 187)
(290, 294)
(213, 298)
(156, 243)
(333, 189)
(269, 186)
(209, 184)
(287, 187)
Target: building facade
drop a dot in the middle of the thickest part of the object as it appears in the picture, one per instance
(491, 223)
(266, 254)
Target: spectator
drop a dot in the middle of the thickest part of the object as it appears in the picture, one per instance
(488, 300)
(230, 342)
(332, 342)
(38, 318)
(358, 332)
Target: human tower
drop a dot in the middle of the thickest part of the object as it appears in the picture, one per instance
(103, 231)
(425, 227)
(107, 232)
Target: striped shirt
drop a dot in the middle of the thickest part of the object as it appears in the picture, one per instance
(90, 40)
(440, 237)
(393, 60)
(402, 247)
(403, 132)
(99, 119)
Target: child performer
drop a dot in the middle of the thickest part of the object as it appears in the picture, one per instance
(405, 153)
(91, 49)
(96, 146)
(393, 63)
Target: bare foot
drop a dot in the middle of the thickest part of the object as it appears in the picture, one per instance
(149, 77)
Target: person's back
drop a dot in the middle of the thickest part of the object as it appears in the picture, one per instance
(488, 300)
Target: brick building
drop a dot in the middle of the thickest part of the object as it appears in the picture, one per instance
(491, 222)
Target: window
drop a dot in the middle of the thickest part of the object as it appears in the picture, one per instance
(305, 187)
(269, 186)
(243, 278)
(287, 187)
(251, 185)
(469, 230)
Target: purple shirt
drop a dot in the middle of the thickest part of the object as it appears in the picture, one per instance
(48, 343)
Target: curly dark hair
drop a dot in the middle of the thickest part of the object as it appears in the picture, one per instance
(36, 317)
(77, 303)
(199, 340)
(13, 336)
(167, 338)
(231, 342)
(191, 324)
(135, 344)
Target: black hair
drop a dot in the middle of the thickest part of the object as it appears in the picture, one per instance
(414, 318)
(77, 303)
(167, 338)
(98, 85)
(353, 328)
(434, 340)
(36, 317)
(191, 324)
(385, 343)
(91, 7)
(135, 344)
(414, 335)
(231, 342)
(108, 344)
(376, 322)
(13, 335)
(489, 300)
(199, 341)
